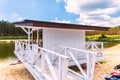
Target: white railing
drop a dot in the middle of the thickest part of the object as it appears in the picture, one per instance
(96, 47)
(45, 68)
(89, 56)
(38, 61)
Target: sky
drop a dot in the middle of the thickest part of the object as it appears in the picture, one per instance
(85, 12)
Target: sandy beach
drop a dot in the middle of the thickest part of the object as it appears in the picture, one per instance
(13, 72)
(112, 57)
(19, 72)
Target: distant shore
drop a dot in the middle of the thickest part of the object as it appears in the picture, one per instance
(8, 40)
(12, 37)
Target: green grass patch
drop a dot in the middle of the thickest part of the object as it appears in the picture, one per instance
(103, 37)
(109, 40)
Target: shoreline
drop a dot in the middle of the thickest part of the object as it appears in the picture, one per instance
(5, 62)
(9, 40)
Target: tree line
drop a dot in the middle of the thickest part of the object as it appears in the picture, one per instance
(8, 29)
(111, 31)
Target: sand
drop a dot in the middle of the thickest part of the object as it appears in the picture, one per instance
(19, 72)
(112, 56)
(13, 72)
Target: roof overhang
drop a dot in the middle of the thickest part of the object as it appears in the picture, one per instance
(44, 24)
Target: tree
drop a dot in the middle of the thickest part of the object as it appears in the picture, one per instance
(8, 29)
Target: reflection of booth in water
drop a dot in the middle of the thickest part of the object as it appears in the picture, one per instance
(63, 45)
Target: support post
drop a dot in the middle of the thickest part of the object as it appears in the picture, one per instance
(37, 37)
(29, 38)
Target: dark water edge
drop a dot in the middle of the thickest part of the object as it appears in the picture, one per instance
(7, 49)
(110, 44)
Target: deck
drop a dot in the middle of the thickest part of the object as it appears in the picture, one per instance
(37, 60)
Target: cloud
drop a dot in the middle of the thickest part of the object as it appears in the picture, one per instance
(16, 17)
(12, 17)
(61, 21)
(92, 12)
(58, 1)
(2, 16)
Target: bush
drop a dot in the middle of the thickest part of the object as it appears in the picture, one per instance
(102, 36)
(86, 38)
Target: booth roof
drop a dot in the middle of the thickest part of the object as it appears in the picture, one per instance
(45, 24)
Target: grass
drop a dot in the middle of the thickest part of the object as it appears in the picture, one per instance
(109, 40)
(102, 37)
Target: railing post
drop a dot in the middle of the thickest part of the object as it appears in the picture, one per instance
(92, 46)
(102, 45)
(42, 62)
(93, 65)
(88, 66)
(16, 45)
(60, 69)
(63, 68)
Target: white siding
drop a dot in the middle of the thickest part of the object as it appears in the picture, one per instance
(71, 37)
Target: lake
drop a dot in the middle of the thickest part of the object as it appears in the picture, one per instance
(7, 48)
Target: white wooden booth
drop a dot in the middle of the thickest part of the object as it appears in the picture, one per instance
(63, 45)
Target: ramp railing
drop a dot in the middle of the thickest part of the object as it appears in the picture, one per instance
(38, 62)
(90, 58)
(96, 47)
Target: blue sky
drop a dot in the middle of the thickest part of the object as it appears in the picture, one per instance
(87, 12)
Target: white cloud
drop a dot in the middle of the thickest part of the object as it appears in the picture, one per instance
(63, 21)
(94, 12)
(2, 16)
(58, 1)
(16, 17)
(12, 17)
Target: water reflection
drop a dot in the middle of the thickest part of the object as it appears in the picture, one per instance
(110, 44)
(6, 49)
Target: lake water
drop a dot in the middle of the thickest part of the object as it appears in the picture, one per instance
(110, 44)
(7, 49)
